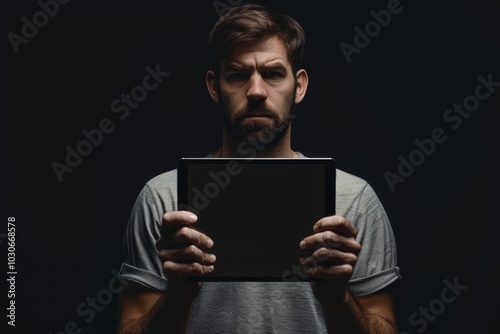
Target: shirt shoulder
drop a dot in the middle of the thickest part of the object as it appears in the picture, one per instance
(345, 182)
(349, 183)
(162, 191)
(163, 180)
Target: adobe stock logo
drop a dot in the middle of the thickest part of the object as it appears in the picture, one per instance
(94, 137)
(436, 306)
(372, 29)
(89, 309)
(40, 19)
(298, 272)
(220, 180)
(454, 118)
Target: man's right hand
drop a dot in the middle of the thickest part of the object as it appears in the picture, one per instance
(182, 250)
(182, 253)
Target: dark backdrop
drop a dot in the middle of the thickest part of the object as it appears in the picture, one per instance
(365, 114)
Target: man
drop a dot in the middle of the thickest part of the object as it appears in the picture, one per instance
(257, 80)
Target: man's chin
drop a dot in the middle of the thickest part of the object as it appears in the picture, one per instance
(262, 131)
(261, 136)
(256, 122)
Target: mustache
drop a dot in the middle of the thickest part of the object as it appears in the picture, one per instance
(260, 110)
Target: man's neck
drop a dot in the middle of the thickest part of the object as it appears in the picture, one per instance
(252, 152)
(231, 149)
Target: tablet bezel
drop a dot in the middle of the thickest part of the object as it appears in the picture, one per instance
(182, 193)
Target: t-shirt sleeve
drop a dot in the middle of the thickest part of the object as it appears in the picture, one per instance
(141, 263)
(376, 267)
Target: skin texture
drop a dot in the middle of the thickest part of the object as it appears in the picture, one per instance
(257, 91)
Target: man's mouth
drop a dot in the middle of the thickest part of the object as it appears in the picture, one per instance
(256, 116)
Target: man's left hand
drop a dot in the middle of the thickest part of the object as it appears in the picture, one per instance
(334, 251)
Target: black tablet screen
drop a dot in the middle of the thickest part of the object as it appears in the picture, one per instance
(257, 211)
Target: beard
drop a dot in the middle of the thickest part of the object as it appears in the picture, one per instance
(259, 133)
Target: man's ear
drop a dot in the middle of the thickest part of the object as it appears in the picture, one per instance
(302, 82)
(211, 82)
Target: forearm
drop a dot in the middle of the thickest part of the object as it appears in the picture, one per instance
(170, 314)
(347, 315)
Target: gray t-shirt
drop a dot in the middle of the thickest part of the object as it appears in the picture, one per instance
(262, 307)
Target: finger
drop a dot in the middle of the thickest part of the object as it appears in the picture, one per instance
(171, 222)
(176, 218)
(175, 236)
(340, 273)
(329, 239)
(337, 224)
(187, 254)
(190, 236)
(174, 269)
(326, 256)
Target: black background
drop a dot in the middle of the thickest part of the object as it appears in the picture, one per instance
(364, 114)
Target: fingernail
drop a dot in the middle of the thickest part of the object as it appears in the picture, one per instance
(193, 217)
(210, 269)
(302, 244)
(210, 243)
(213, 258)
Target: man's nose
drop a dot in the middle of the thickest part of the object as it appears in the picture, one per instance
(256, 88)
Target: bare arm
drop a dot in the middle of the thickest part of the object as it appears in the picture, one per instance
(147, 311)
(181, 250)
(366, 314)
(334, 251)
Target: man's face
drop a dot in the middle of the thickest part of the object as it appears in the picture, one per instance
(257, 92)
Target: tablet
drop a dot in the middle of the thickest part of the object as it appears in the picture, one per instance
(257, 211)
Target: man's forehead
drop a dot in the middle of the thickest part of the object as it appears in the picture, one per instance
(270, 51)
(250, 62)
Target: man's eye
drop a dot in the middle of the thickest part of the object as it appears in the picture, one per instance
(274, 75)
(237, 76)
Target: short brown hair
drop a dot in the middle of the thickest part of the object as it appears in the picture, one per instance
(250, 23)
